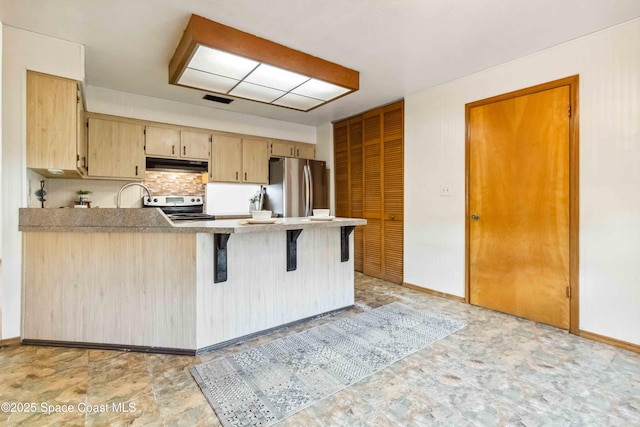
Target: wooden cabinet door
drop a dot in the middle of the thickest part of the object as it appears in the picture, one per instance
(195, 145)
(81, 139)
(281, 149)
(162, 142)
(116, 149)
(51, 122)
(305, 151)
(255, 161)
(226, 159)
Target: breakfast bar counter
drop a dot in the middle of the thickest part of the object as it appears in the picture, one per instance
(132, 279)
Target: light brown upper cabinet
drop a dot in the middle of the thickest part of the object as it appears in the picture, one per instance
(235, 159)
(226, 159)
(56, 135)
(279, 148)
(305, 151)
(175, 143)
(255, 161)
(195, 145)
(116, 149)
(162, 142)
(369, 183)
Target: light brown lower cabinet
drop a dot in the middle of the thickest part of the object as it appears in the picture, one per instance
(369, 183)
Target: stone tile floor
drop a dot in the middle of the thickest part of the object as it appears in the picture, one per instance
(499, 370)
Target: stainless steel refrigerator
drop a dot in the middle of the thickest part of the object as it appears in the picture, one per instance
(296, 187)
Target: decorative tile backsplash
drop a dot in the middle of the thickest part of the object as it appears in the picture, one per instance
(175, 183)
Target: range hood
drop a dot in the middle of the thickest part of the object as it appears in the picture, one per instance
(156, 163)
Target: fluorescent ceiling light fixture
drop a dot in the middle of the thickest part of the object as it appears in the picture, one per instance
(224, 60)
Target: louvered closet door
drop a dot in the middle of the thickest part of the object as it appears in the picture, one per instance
(341, 168)
(356, 185)
(372, 193)
(393, 192)
(369, 182)
(383, 189)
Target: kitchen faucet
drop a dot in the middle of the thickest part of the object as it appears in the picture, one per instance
(119, 199)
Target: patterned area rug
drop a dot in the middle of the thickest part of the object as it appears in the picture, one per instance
(264, 385)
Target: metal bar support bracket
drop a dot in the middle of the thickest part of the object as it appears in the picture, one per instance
(344, 241)
(220, 257)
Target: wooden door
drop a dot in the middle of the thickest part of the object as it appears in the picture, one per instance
(255, 161)
(357, 188)
(372, 194)
(195, 145)
(369, 183)
(393, 192)
(383, 192)
(226, 159)
(164, 142)
(341, 168)
(116, 149)
(519, 226)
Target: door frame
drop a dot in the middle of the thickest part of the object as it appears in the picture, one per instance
(574, 217)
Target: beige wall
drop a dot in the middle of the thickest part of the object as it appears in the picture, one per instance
(608, 63)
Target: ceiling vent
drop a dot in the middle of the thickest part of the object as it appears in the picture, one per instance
(218, 99)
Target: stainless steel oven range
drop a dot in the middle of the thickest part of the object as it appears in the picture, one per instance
(180, 208)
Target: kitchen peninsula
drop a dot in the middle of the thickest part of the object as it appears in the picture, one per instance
(132, 279)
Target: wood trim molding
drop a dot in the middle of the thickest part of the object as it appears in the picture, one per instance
(432, 292)
(10, 341)
(610, 341)
(201, 30)
(574, 186)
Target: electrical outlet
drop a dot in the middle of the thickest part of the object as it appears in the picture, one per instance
(445, 190)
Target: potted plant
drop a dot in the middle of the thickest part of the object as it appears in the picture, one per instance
(254, 203)
(83, 197)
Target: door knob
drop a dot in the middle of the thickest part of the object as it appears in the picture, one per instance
(475, 216)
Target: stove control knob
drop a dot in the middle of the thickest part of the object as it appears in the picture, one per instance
(155, 200)
(198, 200)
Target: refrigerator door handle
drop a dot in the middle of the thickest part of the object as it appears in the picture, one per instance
(305, 170)
(310, 189)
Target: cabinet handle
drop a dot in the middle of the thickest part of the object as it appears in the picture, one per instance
(236, 176)
(297, 152)
(173, 149)
(184, 150)
(245, 176)
(84, 162)
(291, 151)
(136, 171)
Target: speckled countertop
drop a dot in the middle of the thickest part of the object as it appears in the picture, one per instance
(100, 220)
